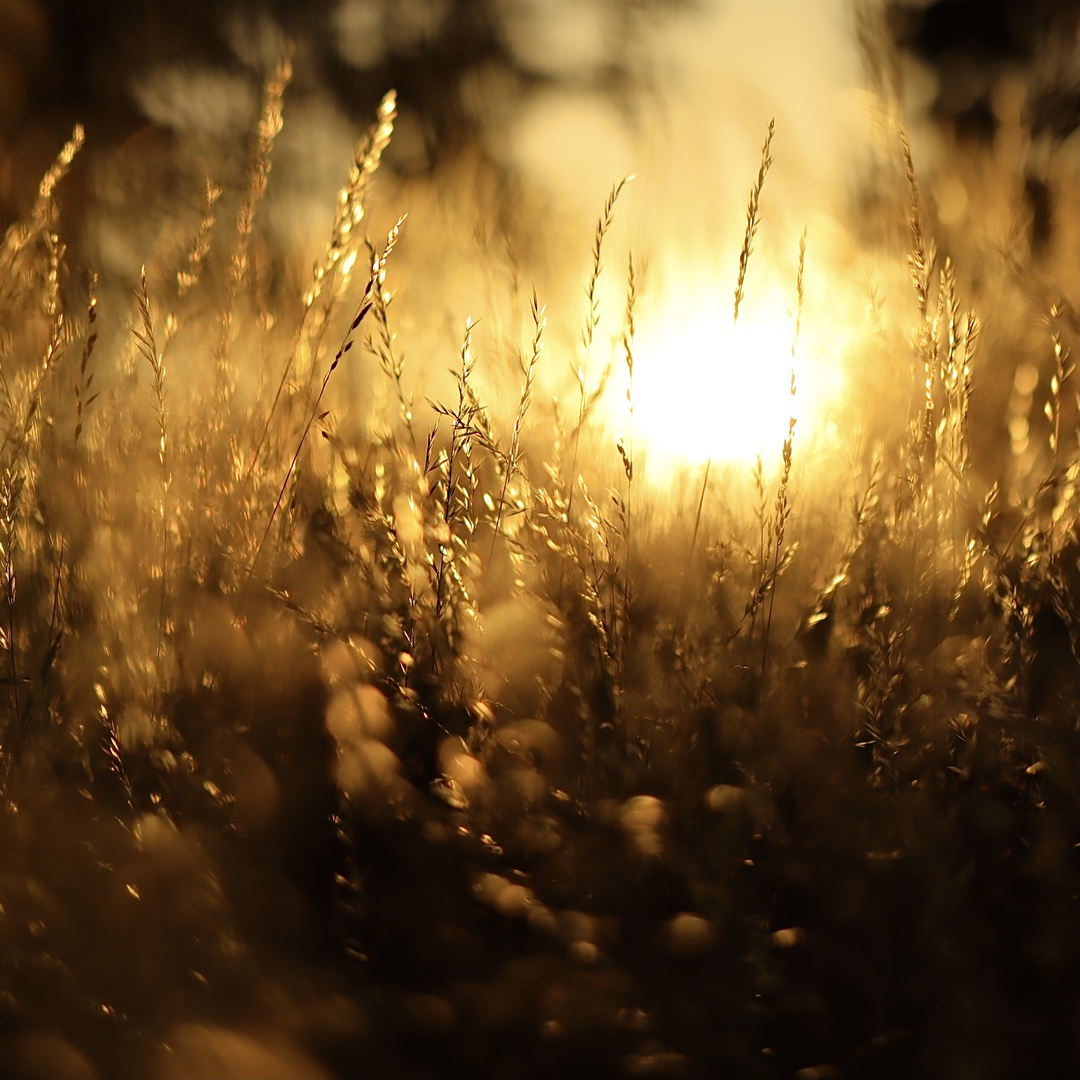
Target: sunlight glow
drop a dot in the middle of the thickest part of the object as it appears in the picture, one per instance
(704, 390)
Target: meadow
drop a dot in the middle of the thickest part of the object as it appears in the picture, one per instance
(427, 740)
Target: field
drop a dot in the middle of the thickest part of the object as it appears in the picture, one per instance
(353, 733)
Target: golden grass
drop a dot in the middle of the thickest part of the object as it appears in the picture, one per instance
(269, 127)
(459, 705)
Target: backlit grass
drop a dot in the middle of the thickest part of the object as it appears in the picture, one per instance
(442, 744)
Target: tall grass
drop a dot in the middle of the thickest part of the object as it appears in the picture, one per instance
(402, 754)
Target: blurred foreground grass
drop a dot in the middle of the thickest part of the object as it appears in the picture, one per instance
(421, 749)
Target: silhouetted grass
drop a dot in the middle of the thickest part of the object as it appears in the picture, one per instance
(411, 757)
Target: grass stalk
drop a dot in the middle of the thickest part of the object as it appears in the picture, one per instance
(592, 320)
(455, 500)
(782, 509)
(21, 233)
(269, 127)
(188, 278)
(339, 256)
(753, 218)
(365, 305)
(11, 488)
(512, 465)
(626, 443)
(148, 347)
(83, 385)
(391, 360)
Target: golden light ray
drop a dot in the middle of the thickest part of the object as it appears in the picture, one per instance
(703, 390)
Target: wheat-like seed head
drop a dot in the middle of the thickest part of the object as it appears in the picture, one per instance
(269, 127)
(922, 257)
(83, 398)
(752, 218)
(349, 212)
(351, 206)
(22, 232)
(187, 278)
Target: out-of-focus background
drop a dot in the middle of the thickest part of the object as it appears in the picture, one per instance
(516, 117)
(241, 826)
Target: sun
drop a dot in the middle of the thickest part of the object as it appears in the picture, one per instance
(704, 390)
